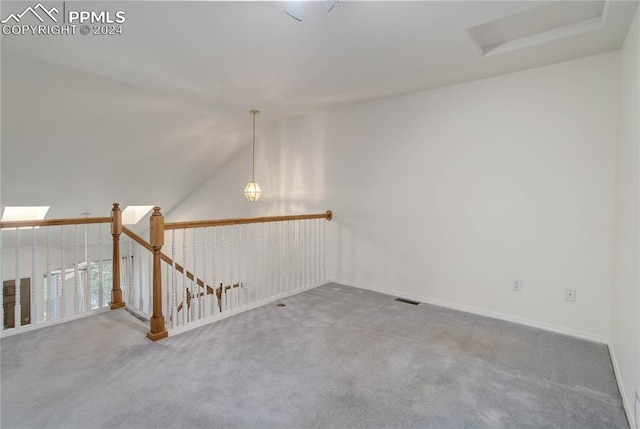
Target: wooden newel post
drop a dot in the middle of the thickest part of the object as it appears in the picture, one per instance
(116, 230)
(158, 329)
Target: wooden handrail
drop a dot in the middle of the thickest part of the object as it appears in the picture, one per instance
(54, 222)
(328, 215)
(141, 241)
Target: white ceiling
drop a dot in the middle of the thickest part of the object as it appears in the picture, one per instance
(145, 117)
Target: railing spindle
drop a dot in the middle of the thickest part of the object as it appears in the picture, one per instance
(243, 295)
(140, 282)
(129, 266)
(195, 290)
(231, 246)
(49, 282)
(222, 262)
(17, 308)
(100, 280)
(214, 278)
(283, 257)
(185, 296)
(33, 316)
(174, 282)
(206, 305)
(263, 262)
(61, 277)
(86, 294)
(256, 267)
(76, 272)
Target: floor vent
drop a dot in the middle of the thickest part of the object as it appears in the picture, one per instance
(407, 301)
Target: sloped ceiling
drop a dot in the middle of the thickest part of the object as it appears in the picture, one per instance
(146, 116)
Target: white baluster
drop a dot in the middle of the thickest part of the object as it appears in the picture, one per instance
(174, 282)
(224, 300)
(100, 280)
(272, 258)
(318, 226)
(63, 272)
(140, 280)
(296, 256)
(216, 308)
(256, 266)
(319, 248)
(17, 320)
(214, 276)
(49, 304)
(307, 250)
(283, 258)
(231, 246)
(300, 254)
(243, 294)
(261, 281)
(236, 297)
(33, 317)
(76, 272)
(166, 302)
(195, 289)
(185, 301)
(149, 310)
(322, 253)
(303, 238)
(129, 274)
(279, 256)
(310, 251)
(206, 302)
(86, 298)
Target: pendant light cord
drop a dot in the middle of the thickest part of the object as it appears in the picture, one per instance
(253, 157)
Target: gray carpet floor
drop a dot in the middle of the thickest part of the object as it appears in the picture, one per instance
(333, 357)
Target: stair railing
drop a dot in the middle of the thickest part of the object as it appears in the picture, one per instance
(57, 269)
(226, 266)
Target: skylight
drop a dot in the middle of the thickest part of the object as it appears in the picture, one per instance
(24, 213)
(132, 214)
(551, 21)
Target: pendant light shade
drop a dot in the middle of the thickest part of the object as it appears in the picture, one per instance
(253, 191)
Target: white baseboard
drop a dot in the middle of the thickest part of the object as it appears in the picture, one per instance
(628, 409)
(480, 312)
(212, 319)
(33, 327)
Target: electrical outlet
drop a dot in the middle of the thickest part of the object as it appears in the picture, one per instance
(516, 285)
(570, 295)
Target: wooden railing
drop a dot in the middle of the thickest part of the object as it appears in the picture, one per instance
(36, 292)
(246, 262)
(249, 262)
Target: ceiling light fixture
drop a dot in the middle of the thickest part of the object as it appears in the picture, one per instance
(295, 9)
(253, 191)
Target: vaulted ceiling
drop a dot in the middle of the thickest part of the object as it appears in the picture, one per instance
(146, 116)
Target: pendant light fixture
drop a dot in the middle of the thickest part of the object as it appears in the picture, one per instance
(253, 191)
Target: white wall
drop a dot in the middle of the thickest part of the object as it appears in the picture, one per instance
(448, 195)
(625, 322)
